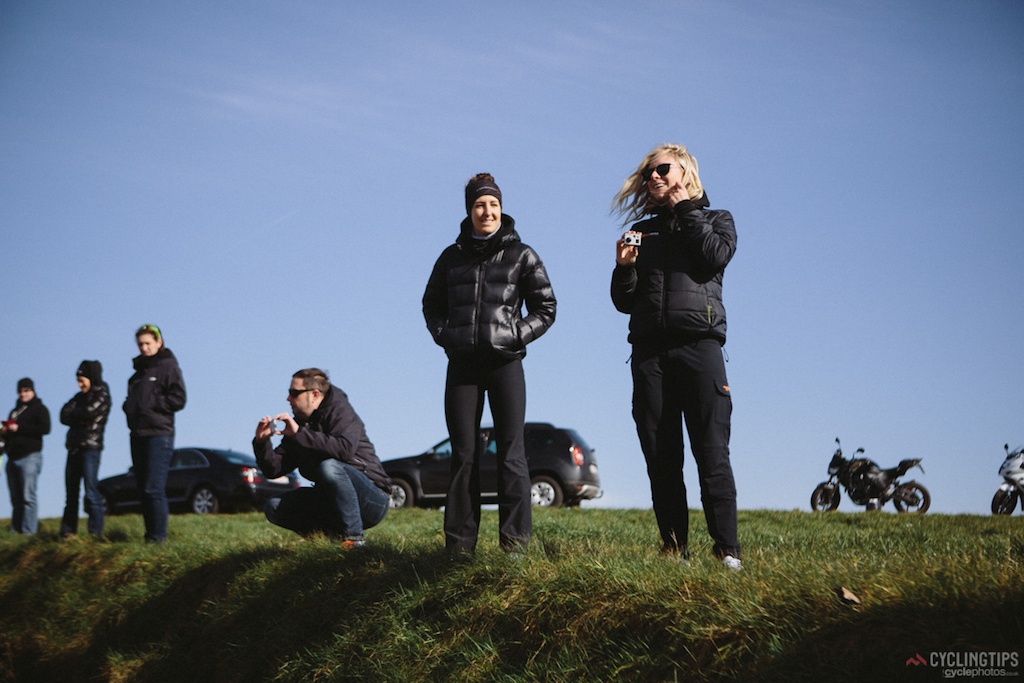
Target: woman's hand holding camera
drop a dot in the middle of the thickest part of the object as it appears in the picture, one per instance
(627, 248)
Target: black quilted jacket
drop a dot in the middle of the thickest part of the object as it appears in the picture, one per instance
(475, 295)
(86, 415)
(673, 292)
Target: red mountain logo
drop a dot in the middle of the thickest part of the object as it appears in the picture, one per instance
(917, 660)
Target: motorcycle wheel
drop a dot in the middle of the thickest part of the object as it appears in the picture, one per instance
(1004, 502)
(825, 498)
(912, 498)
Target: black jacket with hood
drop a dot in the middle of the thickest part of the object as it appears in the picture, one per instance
(332, 431)
(86, 413)
(33, 420)
(673, 292)
(474, 297)
(155, 392)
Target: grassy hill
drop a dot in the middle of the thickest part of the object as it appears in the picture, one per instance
(231, 598)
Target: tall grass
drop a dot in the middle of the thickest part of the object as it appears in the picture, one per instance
(231, 598)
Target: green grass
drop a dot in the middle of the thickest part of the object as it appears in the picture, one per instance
(231, 598)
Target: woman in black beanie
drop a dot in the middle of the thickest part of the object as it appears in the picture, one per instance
(473, 309)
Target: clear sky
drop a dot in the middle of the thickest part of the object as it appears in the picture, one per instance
(271, 183)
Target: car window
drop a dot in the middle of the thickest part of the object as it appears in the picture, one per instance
(188, 459)
(538, 440)
(236, 458)
(443, 449)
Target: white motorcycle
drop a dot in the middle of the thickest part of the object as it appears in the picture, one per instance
(1012, 471)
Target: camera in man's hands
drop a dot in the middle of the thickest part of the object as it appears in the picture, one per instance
(631, 239)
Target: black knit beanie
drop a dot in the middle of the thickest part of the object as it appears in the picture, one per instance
(26, 383)
(477, 187)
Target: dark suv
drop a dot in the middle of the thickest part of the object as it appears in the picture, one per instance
(563, 470)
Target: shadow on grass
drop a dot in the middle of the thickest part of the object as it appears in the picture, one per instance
(900, 643)
(311, 609)
(210, 624)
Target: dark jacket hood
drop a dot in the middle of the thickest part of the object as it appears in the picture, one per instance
(141, 362)
(505, 235)
(92, 370)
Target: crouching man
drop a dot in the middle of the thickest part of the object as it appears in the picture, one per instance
(326, 441)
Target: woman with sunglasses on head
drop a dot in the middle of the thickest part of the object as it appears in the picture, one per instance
(473, 309)
(155, 393)
(668, 278)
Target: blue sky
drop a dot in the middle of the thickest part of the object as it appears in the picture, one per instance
(271, 182)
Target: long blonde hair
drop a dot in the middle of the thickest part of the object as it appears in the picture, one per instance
(633, 202)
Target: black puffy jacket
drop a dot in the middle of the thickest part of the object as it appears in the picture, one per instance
(86, 415)
(673, 292)
(155, 392)
(475, 295)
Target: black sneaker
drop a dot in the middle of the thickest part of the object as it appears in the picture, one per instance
(681, 555)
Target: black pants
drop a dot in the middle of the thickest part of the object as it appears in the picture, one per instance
(505, 386)
(670, 384)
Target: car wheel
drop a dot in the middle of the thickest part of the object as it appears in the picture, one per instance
(401, 494)
(545, 492)
(203, 501)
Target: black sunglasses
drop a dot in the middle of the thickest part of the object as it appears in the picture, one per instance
(662, 170)
(295, 393)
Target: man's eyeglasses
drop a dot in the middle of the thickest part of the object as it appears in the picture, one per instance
(661, 169)
(295, 393)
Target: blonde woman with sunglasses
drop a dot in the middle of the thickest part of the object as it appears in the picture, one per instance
(668, 278)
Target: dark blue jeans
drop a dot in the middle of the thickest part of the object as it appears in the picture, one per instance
(22, 477)
(83, 465)
(343, 502)
(686, 382)
(151, 457)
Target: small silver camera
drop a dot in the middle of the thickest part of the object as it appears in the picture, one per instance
(631, 239)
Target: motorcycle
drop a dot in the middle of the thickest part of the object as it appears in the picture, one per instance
(1012, 471)
(869, 485)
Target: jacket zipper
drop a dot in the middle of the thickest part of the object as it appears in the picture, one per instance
(476, 316)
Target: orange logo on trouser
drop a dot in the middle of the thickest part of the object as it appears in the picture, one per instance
(726, 387)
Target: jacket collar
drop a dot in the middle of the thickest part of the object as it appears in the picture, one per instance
(504, 236)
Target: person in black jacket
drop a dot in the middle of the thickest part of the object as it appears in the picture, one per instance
(473, 309)
(86, 415)
(155, 393)
(23, 433)
(327, 442)
(671, 286)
